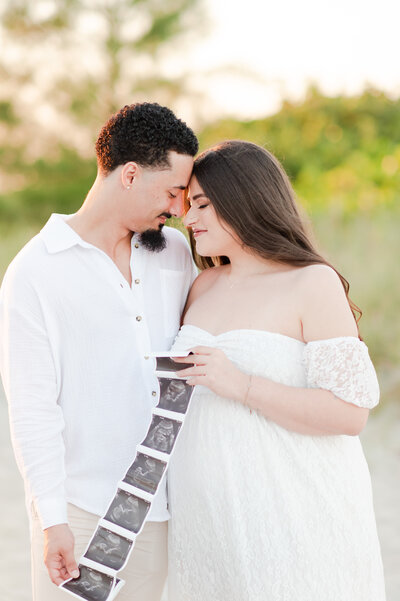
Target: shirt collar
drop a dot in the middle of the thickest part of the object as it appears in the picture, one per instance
(58, 235)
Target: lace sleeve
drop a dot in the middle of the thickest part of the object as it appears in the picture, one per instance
(343, 366)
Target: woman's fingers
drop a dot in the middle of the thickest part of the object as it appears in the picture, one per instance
(197, 370)
(196, 380)
(197, 355)
(203, 350)
(188, 359)
(204, 358)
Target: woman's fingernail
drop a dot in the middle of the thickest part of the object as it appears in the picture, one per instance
(75, 573)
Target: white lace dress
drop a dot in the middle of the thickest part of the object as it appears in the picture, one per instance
(263, 514)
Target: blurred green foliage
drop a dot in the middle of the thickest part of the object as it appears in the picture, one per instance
(108, 51)
(54, 185)
(342, 154)
(343, 157)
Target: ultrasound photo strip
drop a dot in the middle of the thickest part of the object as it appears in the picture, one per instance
(166, 363)
(146, 473)
(93, 585)
(109, 548)
(175, 394)
(114, 538)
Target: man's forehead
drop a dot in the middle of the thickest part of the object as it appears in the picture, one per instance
(181, 163)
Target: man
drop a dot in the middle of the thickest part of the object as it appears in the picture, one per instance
(81, 307)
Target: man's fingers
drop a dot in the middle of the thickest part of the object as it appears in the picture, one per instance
(58, 572)
(71, 565)
(56, 575)
(64, 574)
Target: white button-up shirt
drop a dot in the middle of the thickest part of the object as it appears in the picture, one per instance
(74, 337)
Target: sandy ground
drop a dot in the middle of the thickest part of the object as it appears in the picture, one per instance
(381, 440)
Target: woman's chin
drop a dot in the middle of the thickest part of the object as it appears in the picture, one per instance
(203, 250)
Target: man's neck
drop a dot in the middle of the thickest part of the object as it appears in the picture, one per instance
(96, 224)
(105, 235)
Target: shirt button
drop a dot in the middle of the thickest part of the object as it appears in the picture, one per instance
(138, 318)
(137, 281)
(154, 393)
(136, 245)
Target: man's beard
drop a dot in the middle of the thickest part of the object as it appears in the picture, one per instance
(153, 240)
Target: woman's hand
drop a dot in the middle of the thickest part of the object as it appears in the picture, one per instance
(213, 369)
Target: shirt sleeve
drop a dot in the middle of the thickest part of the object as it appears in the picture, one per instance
(195, 272)
(342, 366)
(30, 383)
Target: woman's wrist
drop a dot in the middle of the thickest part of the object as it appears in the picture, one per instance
(242, 387)
(246, 396)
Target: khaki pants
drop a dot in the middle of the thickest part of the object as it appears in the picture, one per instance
(144, 574)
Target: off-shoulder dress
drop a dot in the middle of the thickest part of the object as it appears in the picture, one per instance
(260, 513)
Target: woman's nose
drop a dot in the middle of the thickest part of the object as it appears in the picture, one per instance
(190, 218)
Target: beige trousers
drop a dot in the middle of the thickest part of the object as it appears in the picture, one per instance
(144, 574)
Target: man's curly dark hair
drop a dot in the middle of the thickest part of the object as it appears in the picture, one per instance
(143, 133)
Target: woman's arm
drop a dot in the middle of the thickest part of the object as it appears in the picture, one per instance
(310, 411)
(324, 314)
(305, 410)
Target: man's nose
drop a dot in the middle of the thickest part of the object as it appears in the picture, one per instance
(176, 207)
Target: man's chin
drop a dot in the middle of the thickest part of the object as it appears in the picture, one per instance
(153, 239)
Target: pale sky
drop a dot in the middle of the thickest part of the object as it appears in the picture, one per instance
(342, 45)
(283, 45)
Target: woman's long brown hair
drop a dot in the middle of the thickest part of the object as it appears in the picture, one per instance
(251, 192)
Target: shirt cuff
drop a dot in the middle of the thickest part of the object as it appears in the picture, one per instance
(51, 511)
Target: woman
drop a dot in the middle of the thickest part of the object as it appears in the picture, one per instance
(270, 493)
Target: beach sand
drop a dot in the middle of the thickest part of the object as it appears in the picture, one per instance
(381, 441)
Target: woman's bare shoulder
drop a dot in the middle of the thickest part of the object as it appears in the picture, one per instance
(317, 276)
(325, 310)
(205, 280)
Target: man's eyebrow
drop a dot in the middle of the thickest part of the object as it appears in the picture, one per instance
(179, 187)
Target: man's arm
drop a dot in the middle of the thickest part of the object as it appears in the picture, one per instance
(36, 421)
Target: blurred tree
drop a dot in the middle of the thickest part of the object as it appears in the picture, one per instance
(83, 59)
(65, 66)
(342, 153)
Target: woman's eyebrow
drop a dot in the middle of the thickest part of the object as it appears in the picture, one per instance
(196, 196)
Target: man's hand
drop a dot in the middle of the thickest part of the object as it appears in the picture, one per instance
(59, 553)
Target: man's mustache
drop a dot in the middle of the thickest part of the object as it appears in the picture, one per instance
(167, 215)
